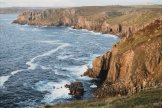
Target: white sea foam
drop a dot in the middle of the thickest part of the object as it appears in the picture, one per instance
(88, 31)
(95, 33)
(56, 90)
(51, 35)
(105, 35)
(63, 74)
(45, 68)
(77, 70)
(110, 36)
(22, 29)
(3, 79)
(32, 65)
(63, 57)
(15, 72)
(93, 86)
(51, 42)
(36, 29)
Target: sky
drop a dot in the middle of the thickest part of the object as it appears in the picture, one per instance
(72, 3)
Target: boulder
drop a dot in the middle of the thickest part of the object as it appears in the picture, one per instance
(76, 89)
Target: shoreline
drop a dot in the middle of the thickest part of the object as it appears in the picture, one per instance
(72, 27)
(126, 68)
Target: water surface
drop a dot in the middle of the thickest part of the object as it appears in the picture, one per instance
(36, 62)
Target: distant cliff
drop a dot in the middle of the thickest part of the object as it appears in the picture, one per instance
(119, 20)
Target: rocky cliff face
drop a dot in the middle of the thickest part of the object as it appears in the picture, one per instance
(119, 20)
(133, 64)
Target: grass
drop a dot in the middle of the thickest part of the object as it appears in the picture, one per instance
(144, 99)
(150, 98)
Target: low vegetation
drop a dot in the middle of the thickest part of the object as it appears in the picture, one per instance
(150, 98)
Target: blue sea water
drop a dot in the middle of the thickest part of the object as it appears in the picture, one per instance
(36, 62)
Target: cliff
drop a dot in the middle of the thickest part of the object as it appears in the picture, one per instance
(132, 65)
(119, 20)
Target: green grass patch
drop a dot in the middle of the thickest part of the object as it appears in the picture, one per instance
(151, 98)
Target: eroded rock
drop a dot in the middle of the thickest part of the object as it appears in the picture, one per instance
(76, 89)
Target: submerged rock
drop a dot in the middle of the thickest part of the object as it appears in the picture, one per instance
(76, 89)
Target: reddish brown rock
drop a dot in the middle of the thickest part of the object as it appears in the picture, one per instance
(133, 65)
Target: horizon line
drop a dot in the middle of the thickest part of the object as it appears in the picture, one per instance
(79, 6)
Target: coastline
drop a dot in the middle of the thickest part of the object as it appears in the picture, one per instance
(108, 20)
(125, 57)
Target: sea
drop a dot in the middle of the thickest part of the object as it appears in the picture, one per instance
(37, 61)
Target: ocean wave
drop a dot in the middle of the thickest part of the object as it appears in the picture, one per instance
(70, 77)
(93, 86)
(45, 68)
(56, 90)
(32, 65)
(25, 28)
(77, 70)
(110, 36)
(64, 57)
(51, 42)
(3, 79)
(17, 71)
(22, 29)
(36, 29)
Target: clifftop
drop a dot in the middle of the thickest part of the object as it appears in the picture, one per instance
(119, 20)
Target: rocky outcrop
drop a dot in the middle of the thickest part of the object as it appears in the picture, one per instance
(76, 89)
(106, 19)
(133, 64)
(100, 67)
